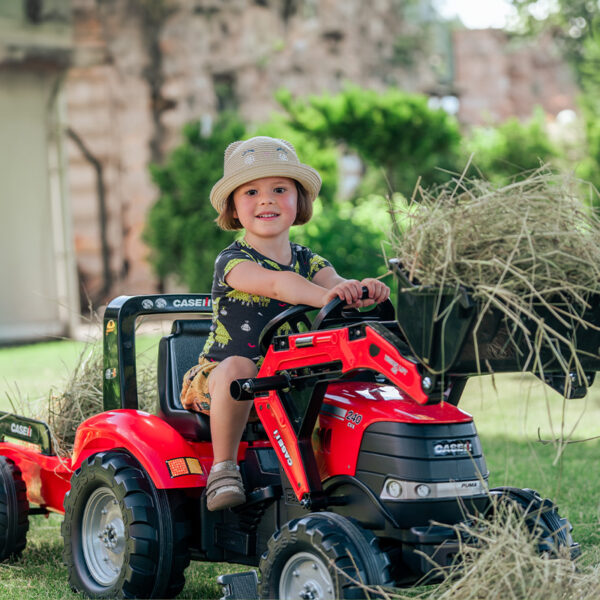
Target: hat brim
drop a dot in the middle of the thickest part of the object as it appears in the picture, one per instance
(303, 174)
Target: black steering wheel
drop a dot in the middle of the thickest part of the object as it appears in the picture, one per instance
(337, 312)
(333, 313)
(293, 315)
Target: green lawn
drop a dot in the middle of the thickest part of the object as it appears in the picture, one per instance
(28, 374)
(508, 413)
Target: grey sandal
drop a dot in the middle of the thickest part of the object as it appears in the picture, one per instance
(224, 487)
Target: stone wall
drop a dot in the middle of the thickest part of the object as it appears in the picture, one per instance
(497, 78)
(111, 129)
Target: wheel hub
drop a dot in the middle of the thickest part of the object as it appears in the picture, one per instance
(310, 591)
(103, 536)
(306, 577)
(109, 536)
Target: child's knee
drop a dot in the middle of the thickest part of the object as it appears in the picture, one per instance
(233, 367)
(240, 366)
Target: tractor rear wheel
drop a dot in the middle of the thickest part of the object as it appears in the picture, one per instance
(540, 515)
(14, 510)
(323, 556)
(123, 536)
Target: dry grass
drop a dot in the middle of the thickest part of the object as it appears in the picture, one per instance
(81, 397)
(504, 563)
(527, 249)
(499, 558)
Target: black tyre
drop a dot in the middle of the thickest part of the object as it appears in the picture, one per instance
(14, 510)
(552, 533)
(123, 537)
(322, 556)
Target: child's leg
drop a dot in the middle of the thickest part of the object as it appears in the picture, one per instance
(228, 418)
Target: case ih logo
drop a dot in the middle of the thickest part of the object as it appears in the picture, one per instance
(396, 366)
(20, 429)
(286, 454)
(456, 447)
(193, 303)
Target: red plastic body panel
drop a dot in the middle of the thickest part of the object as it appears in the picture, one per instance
(334, 345)
(148, 438)
(48, 478)
(151, 441)
(373, 351)
(145, 436)
(350, 407)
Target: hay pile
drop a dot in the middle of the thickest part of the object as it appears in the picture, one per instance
(528, 244)
(499, 558)
(81, 397)
(504, 563)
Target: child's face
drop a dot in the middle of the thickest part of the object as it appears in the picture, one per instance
(267, 206)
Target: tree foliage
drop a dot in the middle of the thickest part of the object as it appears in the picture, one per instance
(391, 131)
(571, 22)
(512, 148)
(576, 26)
(349, 236)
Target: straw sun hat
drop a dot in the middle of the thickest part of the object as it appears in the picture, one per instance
(261, 157)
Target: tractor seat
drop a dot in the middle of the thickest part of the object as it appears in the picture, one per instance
(177, 353)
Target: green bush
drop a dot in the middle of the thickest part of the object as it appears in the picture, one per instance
(394, 133)
(512, 148)
(349, 236)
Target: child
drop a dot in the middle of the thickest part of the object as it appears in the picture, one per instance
(264, 190)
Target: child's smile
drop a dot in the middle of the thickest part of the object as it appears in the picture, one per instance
(268, 216)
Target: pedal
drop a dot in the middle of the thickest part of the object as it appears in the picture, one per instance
(263, 495)
(239, 586)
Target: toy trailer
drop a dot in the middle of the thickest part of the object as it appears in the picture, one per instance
(358, 448)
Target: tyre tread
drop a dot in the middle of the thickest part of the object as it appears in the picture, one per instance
(14, 510)
(337, 539)
(148, 572)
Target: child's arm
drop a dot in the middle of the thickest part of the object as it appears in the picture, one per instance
(286, 286)
(294, 289)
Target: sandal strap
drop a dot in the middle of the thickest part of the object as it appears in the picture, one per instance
(222, 482)
(227, 476)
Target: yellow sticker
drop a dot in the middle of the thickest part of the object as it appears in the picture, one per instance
(194, 466)
(110, 326)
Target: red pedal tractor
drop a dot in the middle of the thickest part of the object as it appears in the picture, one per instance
(358, 449)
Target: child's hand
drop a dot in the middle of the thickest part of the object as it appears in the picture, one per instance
(349, 290)
(378, 291)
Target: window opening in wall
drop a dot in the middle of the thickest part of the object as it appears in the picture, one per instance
(224, 86)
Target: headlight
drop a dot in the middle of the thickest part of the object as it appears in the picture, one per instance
(423, 490)
(393, 488)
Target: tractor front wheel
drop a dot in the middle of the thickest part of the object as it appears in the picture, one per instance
(323, 556)
(123, 537)
(14, 510)
(540, 515)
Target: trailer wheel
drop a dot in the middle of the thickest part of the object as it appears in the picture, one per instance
(323, 556)
(123, 537)
(14, 510)
(552, 533)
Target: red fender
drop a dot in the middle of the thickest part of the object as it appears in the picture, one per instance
(48, 478)
(148, 438)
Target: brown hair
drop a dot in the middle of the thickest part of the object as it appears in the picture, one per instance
(304, 211)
